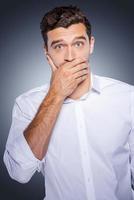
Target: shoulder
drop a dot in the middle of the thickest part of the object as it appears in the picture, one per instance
(34, 92)
(107, 83)
(29, 101)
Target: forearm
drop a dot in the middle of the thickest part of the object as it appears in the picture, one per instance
(39, 131)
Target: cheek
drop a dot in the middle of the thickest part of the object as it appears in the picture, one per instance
(84, 53)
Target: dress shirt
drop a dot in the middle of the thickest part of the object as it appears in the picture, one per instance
(91, 151)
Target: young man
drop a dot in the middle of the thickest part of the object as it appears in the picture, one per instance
(78, 130)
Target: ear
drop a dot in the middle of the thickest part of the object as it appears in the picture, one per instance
(45, 50)
(91, 43)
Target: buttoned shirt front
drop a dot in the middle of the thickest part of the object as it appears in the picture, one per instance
(91, 152)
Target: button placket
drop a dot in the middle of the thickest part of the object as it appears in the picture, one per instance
(84, 152)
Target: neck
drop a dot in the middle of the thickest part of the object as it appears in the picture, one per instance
(82, 88)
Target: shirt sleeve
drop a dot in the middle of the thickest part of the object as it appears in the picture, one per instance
(18, 156)
(131, 138)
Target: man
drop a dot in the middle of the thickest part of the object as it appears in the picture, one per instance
(78, 130)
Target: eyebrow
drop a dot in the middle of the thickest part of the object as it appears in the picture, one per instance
(61, 40)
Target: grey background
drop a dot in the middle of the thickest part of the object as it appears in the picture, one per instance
(23, 66)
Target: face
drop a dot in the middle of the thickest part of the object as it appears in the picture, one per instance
(67, 44)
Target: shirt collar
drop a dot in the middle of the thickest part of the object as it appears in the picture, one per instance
(95, 83)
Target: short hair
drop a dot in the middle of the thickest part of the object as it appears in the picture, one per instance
(63, 16)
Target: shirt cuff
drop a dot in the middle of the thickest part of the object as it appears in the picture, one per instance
(21, 152)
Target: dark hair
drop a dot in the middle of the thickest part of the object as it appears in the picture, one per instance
(63, 16)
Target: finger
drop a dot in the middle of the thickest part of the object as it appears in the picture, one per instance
(53, 67)
(76, 62)
(81, 73)
(79, 67)
(82, 78)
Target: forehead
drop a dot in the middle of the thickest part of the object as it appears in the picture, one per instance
(68, 34)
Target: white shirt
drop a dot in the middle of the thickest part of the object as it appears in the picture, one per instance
(91, 151)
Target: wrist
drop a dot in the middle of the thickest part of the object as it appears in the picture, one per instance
(57, 97)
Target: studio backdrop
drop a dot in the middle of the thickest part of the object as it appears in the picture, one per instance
(23, 65)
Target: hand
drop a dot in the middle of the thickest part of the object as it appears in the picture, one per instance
(66, 78)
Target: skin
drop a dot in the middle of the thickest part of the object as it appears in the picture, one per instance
(69, 63)
(69, 49)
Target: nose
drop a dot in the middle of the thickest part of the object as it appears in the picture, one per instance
(69, 54)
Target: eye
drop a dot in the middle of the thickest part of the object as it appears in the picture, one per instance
(79, 44)
(58, 46)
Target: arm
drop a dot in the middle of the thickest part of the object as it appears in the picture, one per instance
(39, 131)
(19, 159)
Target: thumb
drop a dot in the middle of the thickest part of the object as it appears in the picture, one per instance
(52, 65)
